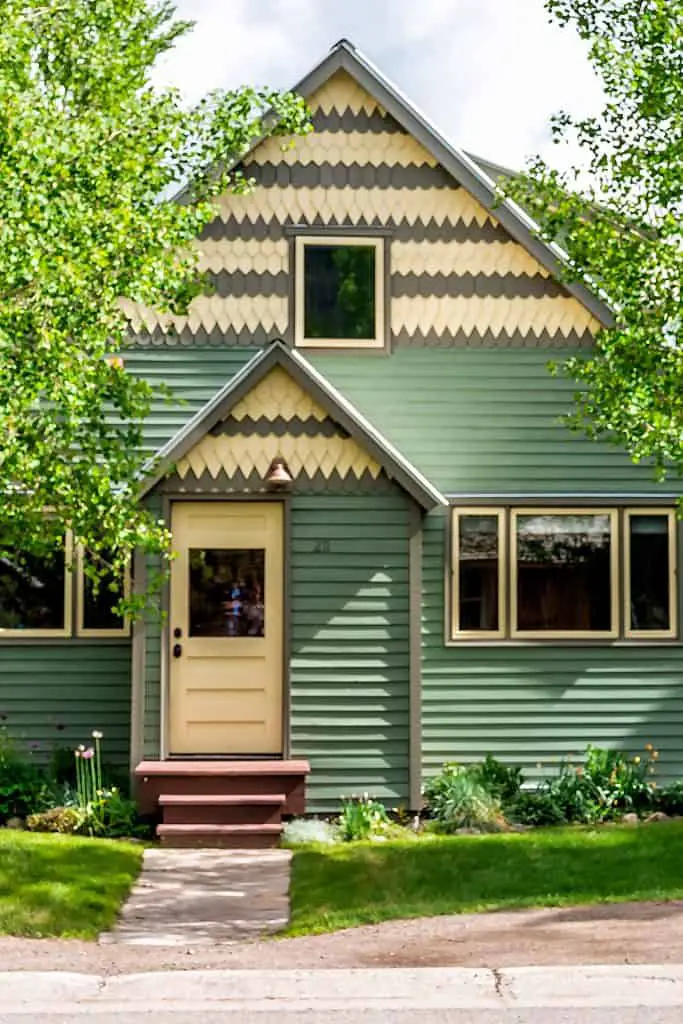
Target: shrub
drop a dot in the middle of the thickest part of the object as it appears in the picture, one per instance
(301, 831)
(23, 786)
(457, 799)
(362, 818)
(500, 780)
(59, 819)
(670, 800)
(536, 808)
(607, 785)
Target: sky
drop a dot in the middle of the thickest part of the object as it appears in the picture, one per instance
(487, 73)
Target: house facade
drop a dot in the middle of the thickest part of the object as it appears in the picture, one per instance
(391, 552)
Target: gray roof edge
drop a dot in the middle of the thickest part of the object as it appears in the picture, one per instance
(278, 353)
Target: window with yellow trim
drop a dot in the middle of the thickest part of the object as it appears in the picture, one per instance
(97, 601)
(550, 573)
(339, 292)
(35, 593)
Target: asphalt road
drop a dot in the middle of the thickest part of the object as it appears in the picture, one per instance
(637, 994)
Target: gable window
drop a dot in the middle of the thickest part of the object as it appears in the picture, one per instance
(563, 577)
(649, 570)
(478, 590)
(563, 574)
(339, 292)
(96, 615)
(35, 593)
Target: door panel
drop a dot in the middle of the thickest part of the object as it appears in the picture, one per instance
(226, 604)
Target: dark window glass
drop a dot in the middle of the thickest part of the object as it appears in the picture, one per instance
(99, 603)
(564, 572)
(227, 587)
(650, 560)
(32, 591)
(478, 572)
(339, 291)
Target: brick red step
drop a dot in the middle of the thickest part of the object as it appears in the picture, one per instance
(233, 836)
(222, 809)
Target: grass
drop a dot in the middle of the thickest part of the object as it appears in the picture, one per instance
(363, 883)
(63, 886)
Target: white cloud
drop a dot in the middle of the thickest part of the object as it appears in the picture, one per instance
(489, 73)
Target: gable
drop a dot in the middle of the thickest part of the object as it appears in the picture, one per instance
(457, 276)
(277, 419)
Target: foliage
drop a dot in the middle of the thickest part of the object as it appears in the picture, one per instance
(362, 818)
(500, 780)
(363, 883)
(23, 786)
(456, 798)
(102, 810)
(87, 149)
(536, 807)
(670, 800)
(62, 768)
(620, 222)
(607, 785)
(302, 831)
(66, 820)
(64, 886)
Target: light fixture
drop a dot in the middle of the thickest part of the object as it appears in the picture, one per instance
(279, 477)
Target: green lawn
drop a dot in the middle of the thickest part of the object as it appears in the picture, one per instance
(61, 885)
(362, 883)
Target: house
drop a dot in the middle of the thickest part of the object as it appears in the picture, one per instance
(391, 551)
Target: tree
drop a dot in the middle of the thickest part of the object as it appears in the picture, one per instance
(88, 148)
(622, 228)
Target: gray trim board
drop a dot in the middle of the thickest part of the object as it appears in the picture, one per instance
(296, 427)
(251, 283)
(254, 485)
(526, 286)
(352, 175)
(487, 339)
(349, 120)
(415, 634)
(339, 408)
(402, 230)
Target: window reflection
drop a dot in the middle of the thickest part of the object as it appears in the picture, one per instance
(227, 589)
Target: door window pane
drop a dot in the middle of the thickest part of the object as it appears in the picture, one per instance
(477, 566)
(32, 591)
(339, 292)
(227, 588)
(564, 572)
(650, 577)
(99, 604)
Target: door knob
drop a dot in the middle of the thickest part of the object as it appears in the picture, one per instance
(177, 650)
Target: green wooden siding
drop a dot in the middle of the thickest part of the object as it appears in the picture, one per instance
(536, 704)
(482, 420)
(55, 694)
(349, 647)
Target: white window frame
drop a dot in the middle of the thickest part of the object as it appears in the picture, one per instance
(566, 634)
(651, 634)
(66, 629)
(81, 630)
(462, 512)
(300, 244)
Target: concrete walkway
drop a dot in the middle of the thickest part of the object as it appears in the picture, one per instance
(205, 897)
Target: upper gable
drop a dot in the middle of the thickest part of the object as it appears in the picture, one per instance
(456, 277)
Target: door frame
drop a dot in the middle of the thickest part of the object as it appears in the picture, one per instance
(168, 501)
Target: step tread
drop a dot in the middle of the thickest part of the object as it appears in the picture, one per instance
(218, 830)
(221, 800)
(218, 768)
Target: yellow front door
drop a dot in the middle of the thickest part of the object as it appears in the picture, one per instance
(226, 628)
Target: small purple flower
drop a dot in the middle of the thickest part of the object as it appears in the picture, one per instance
(87, 754)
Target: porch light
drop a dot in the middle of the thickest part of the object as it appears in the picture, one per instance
(279, 476)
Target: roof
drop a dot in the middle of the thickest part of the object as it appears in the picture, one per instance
(337, 407)
(476, 175)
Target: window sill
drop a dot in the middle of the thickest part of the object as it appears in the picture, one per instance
(568, 642)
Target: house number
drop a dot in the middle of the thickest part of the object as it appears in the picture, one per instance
(322, 547)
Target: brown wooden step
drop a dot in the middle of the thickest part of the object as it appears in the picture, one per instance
(233, 836)
(222, 809)
(225, 778)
